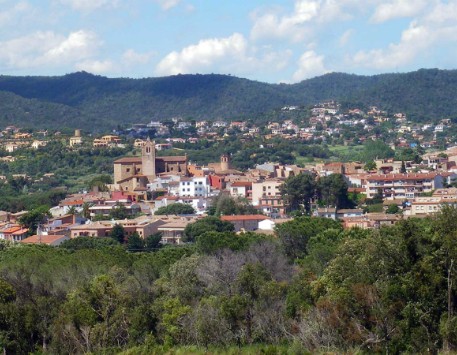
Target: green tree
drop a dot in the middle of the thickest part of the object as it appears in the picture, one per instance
(172, 320)
(207, 224)
(7, 308)
(100, 182)
(118, 233)
(295, 235)
(333, 191)
(297, 192)
(152, 242)
(118, 212)
(392, 209)
(370, 165)
(135, 243)
(35, 217)
(88, 243)
(376, 150)
(226, 205)
(86, 210)
(403, 167)
(175, 208)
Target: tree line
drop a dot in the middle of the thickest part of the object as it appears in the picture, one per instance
(313, 288)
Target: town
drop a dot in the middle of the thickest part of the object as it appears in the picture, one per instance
(366, 169)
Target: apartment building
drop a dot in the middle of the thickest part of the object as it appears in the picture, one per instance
(402, 186)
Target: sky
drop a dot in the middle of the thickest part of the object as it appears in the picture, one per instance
(270, 40)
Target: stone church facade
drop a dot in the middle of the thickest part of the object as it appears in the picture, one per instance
(134, 173)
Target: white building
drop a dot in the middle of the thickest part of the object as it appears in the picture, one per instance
(194, 187)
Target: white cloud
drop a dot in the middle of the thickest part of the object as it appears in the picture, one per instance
(167, 4)
(436, 26)
(97, 66)
(345, 37)
(8, 16)
(48, 48)
(310, 65)
(229, 55)
(307, 17)
(398, 8)
(271, 25)
(131, 57)
(89, 5)
(202, 55)
(442, 13)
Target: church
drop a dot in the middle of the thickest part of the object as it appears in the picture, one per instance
(134, 173)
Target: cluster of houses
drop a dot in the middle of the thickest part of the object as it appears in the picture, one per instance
(143, 184)
(148, 182)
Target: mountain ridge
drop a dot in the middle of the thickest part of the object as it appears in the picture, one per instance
(93, 102)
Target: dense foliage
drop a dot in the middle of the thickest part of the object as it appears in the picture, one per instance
(175, 208)
(82, 100)
(328, 191)
(317, 288)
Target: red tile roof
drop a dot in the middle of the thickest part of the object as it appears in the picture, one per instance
(42, 239)
(128, 160)
(20, 231)
(11, 230)
(389, 177)
(242, 184)
(248, 217)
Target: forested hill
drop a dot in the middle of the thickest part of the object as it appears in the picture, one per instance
(96, 103)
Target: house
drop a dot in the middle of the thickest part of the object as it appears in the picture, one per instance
(144, 227)
(429, 205)
(11, 147)
(269, 224)
(52, 240)
(13, 233)
(194, 186)
(266, 189)
(326, 212)
(349, 212)
(244, 222)
(38, 144)
(241, 189)
(172, 232)
(398, 186)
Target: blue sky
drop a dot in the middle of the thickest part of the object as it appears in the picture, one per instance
(271, 41)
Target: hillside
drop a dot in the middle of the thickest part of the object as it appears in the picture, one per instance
(96, 103)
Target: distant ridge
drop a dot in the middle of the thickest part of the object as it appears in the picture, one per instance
(98, 103)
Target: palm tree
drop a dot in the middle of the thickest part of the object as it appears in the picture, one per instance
(86, 211)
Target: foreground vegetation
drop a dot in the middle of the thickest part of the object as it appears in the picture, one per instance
(313, 288)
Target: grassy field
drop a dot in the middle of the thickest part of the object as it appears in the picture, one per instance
(345, 153)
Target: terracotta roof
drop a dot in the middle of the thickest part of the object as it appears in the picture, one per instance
(141, 189)
(242, 183)
(349, 210)
(43, 239)
(248, 217)
(71, 203)
(402, 176)
(174, 225)
(11, 229)
(357, 189)
(20, 231)
(173, 158)
(128, 160)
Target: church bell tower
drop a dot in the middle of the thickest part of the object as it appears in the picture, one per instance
(148, 159)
